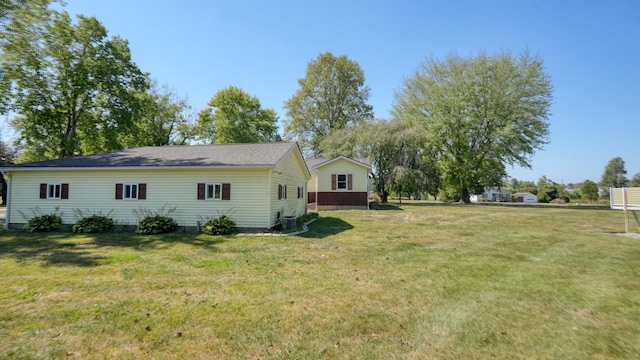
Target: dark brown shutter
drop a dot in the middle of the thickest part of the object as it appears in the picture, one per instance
(142, 191)
(349, 182)
(118, 191)
(333, 181)
(201, 191)
(64, 194)
(226, 191)
(279, 192)
(43, 191)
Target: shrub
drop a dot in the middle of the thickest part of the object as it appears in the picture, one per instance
(93, 224)
(307, 217)
(156, 224)
(43, 223)
(223, 225)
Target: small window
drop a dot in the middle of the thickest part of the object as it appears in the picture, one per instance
(130, 192)
(282, 192)
(214, 191)
(342, 182)
(54, 191)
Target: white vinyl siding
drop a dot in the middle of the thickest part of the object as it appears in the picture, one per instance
(360, 179)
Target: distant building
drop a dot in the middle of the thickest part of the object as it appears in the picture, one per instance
(492, 194)
(525, 197)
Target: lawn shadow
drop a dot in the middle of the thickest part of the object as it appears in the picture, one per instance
(386, 207)
(24, 247)
(84, 250)
(326, 226)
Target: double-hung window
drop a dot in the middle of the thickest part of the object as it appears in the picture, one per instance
(214, 191)
(341, 183)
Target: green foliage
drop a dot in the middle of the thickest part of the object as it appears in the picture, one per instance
(480, 113)
(332, 96)
(233, 116)
(70, 85)
(163, 119)
(589, 190)
(635, 180)
(614, 175)
(156, 224)
(43, 223)
(307, 217)
(93, 224)
(223, 225)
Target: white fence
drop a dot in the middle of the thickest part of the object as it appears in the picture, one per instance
(626, 199)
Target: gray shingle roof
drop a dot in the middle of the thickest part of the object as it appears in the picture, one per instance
(223, 155)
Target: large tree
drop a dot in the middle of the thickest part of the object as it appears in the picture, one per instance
(635, 180)
(72, 87)
(233, 116)
(163, 118)
(480, 113)
(8, 155)
(614, 175)
(589, 190)
(332, 96)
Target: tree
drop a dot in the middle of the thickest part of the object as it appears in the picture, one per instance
(635, 180)
(332, 96)
(399, 160)
(589, 190)
(163, 119)
(233, 116)
(613, 176)
(72, 88)
(479, 113)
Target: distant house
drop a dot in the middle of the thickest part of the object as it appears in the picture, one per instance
(338, 183)
(251, 183)
(525, 197)
(492, 194)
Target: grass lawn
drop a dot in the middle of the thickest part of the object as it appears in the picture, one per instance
(413, 281)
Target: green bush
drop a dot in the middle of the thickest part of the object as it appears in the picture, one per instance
(43, 223)
(93, 224)
(223, 225)
(156, 224)
(307, 217)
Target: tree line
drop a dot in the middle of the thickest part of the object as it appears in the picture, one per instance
(456, 123)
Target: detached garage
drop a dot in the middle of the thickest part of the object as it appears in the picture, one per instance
(525, 197)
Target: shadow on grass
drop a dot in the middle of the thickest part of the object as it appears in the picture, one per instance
(326, 226)
(84, 250)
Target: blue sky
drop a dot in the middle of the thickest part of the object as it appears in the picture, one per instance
(591, 49)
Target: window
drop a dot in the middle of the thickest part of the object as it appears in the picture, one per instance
(282, 192)
(300, 192)
(214, 191)
(54, 191)
(131, 191)
(342, 182)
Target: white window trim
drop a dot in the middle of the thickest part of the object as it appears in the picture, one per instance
(346, 182)
(124, 191)
(53, 196)
(206, 191)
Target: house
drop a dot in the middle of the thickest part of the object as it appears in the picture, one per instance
(338, 183)
(492, 194)
(251, 183)
(525, 197)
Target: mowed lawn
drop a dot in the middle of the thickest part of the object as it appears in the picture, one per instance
(411, 281)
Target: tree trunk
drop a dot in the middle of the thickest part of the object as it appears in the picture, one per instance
(384, 197)
(3, 190)
(464, 196)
